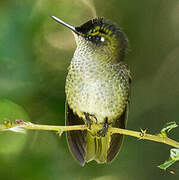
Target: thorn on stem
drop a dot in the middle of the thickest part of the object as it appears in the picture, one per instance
(142, 133)
(60, 132)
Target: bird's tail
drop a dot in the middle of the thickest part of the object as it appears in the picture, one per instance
(86, 147)
(102, 149)
(97, 148)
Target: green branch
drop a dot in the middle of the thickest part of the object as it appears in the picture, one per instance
(10, 111)
(94, 128)
(161, 137)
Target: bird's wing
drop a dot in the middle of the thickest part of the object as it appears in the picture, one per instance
(117, 139)
(76, 139)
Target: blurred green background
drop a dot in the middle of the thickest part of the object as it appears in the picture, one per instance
(35, 52)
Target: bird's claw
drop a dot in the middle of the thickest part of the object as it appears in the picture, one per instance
(104, 130)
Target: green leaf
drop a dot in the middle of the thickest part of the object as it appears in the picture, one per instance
(166, 164)
(167, 128)
(174, 156)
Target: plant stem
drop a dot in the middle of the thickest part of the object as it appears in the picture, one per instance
(60, 129)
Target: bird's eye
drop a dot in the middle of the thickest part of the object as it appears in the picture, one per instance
(102, 39)
(96, 39)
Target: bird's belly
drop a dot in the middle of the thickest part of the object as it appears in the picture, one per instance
(100, 98)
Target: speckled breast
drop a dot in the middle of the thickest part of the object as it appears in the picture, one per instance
(98, 89)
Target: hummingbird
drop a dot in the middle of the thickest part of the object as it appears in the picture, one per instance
(97, 90)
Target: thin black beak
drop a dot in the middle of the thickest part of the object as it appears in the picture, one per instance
(65, 24)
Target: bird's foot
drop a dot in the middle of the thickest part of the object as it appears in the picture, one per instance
(88, 119)
(104, 130)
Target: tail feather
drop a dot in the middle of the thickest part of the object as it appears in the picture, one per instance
(97, 148)
(86, 147)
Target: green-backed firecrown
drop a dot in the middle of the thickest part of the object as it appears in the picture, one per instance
(97, 89)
